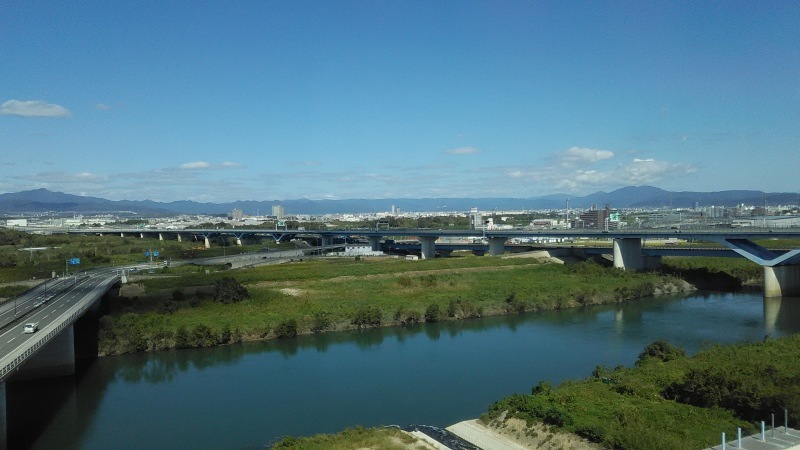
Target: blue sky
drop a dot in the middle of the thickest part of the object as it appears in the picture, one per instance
(274, 100)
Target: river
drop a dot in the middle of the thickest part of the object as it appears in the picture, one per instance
(251, 394)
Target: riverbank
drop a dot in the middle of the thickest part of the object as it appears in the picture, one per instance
(344, 294)
(665, 401)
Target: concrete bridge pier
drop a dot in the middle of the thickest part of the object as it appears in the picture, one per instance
(497, 246)
(628, 254)
(428, 246)
(207, 242)
(375, 243)
(239, 237)
(160, 236)
(782, 281)
(3, 417)
(179, 237)
(327, 240)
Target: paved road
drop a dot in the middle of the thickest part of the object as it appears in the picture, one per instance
(32, 299)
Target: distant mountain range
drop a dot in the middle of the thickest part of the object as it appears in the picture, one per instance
(43, 200)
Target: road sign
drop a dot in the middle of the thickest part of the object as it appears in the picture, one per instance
(146, 253)
(281, 223)
(155, 254)
(74, 261)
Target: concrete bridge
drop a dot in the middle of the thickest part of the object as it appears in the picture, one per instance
(51, 350)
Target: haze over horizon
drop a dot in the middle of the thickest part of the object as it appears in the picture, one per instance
(216, 102)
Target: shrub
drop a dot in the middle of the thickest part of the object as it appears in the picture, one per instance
(514, 305)
(286, 329)
(182, 337)
(202, 336)
(320, 322)
(225, 335)
(662, 351)
(433, 313)
(367, 316)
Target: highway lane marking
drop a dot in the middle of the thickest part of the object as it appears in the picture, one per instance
(12, 339)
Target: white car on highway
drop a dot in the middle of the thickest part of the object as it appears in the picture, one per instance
(30, 327)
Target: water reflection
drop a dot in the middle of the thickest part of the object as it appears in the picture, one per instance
(781, 315)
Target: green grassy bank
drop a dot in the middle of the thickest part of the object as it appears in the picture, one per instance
(668, 401)
(187, 307)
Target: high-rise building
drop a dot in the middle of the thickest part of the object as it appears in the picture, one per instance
(476, 220)
(278, 211)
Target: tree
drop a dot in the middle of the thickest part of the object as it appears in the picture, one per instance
(228, 290)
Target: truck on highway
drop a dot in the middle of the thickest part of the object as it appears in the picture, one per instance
(30, 327)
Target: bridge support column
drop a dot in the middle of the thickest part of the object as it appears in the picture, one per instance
(652, 262)
(628, 254)
(327, 240)
(375, 243)
(179, 237)
(3, 417)
(55, 359)
(497, 246)
(782, 281)
(141, 235)
(428, 246)
(160, 236)
(207, 243)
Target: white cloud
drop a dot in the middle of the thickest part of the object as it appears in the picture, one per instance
(33, 108)
(576, 156)
(65, 178)
(233, 165)
(102, 106)
(195, 165)
(463, 151)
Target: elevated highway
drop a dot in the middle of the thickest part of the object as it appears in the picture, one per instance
(67, 301)
(781, 269)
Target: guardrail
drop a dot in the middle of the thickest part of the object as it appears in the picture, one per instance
(19, 355)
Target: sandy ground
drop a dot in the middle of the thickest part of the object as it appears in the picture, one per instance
(514, 435)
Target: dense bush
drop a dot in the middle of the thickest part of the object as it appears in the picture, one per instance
(321, 321)
(367, 316)
(228, 290)
(662, 351)
(286, 329)
(433, 313)
(202, 336)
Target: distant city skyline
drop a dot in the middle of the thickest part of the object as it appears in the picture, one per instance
(219, 102)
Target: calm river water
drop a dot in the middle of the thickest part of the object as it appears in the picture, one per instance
(249, 395)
